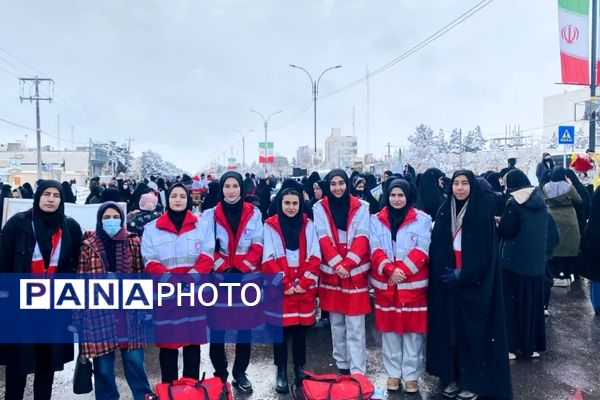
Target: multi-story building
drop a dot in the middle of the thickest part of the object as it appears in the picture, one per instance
(305, 155)
(340, 151)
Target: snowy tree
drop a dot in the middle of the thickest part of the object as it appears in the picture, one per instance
(455, 142)
(423, 151)
(440, 142)
(423, 136)
(151, 163)
(553, 142)
(119, 155)
(581, 139)
(474, 141)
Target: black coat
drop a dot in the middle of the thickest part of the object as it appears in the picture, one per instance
(17, 243)
(590, 242)
(466, 340)
(522, 233)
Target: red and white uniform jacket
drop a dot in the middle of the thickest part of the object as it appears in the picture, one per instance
(298, 268)
(189, 251)
(243, 252)
(401, 308)
(349, 249)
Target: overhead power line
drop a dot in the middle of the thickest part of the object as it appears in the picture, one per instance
(439, 33)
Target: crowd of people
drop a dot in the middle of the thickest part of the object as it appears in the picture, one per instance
(460, 266)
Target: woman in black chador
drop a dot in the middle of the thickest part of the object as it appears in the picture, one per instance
(466, 344)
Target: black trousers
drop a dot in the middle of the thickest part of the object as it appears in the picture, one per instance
(219, 358)
(15, 384)
(563, 267)
(297, 335)
(168, 363)
(548, 283)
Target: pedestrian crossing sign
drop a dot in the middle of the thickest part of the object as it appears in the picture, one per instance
(566, 134)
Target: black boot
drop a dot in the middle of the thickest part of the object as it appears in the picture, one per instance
(242, 383)
(282, 380)
(299, 374)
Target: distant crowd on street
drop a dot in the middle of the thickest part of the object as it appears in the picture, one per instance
(457, 269)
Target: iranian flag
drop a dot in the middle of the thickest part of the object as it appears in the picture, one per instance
(265, 153)
(573, 24)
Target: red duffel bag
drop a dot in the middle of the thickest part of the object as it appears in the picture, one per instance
(193, 389)
(335, 387)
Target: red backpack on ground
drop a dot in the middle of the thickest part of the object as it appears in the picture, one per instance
(335, 387)
(193, 389)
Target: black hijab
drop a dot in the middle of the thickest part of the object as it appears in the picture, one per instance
(290, 227)
(110, 242)
(431, 195)
(516, 180)
(288, 183)
(212, 196)
(478, 296)
(493, 179)
(233, 212)
(68, 193)
(397, 215)
(177, 217)
(110, 194)
(308, 185)
(559, 174)
(340, 207)
(45, 223)
(28, 189)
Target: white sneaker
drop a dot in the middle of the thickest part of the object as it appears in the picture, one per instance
(467, 395)
(562, 282)
(535, 354)
(546, 313)
(512, 356)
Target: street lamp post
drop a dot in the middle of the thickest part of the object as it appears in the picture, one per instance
(266, 125)
(243, 135)
(315, 92)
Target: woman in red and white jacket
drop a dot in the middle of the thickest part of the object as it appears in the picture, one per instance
(239, 246)
(292, 250)
(179, 243)
(400, 237)
(342, 223)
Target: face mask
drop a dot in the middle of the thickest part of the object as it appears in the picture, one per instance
(111, 226)
(125, 186)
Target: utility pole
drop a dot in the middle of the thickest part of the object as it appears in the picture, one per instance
(36, 83)
(368, 108)
(243, 135)
(389, 146)
(89, 157)
(58, 132)
(129, 139)
(315, 93)
(73, 136)
(266, 125)
(460, 149)
(594, 74)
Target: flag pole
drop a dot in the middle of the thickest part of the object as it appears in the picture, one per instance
(593, 78)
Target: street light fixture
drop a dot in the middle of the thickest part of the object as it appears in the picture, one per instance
(315, 93)
(243, 135)
(266, 125)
